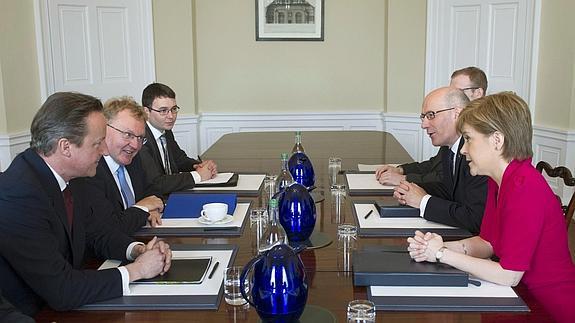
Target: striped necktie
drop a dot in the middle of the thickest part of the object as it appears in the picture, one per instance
(127, 193)
(69, 204)
(167, 166)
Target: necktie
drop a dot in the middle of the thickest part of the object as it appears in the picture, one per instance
(167, 167)
(451, 163)
(127, 193)
(69, 204)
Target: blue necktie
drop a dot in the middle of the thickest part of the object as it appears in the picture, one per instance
(127, 193)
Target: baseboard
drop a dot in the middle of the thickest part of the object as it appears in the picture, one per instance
(196, 134)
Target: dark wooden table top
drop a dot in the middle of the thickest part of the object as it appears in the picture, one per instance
(330, 287)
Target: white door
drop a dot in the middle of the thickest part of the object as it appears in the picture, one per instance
(494, 35)
(98, 47)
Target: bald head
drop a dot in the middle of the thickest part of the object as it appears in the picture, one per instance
(440, 110)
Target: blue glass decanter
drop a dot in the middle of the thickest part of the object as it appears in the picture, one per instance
(300, 165)
(297, 212)
(278, 284)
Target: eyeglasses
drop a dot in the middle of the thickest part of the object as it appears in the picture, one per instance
(470, 88)
(130, 136)
(430, 115)
(164, 111)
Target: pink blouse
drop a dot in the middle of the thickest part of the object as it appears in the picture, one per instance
(525, 225)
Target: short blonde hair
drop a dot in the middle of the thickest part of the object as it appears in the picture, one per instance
(504, 112)
(116, 105)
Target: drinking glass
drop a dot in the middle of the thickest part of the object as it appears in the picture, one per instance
(361, 311)
(258, 222)
(346, 246)
(338, 194)
(334, 169)
(232, 293)
(269, 188)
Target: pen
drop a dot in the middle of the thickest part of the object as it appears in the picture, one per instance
(368, 214)
(200, 159)
(214, 270)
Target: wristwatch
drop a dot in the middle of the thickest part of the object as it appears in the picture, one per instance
(439, 254)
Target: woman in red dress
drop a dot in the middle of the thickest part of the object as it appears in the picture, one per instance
(523, 223)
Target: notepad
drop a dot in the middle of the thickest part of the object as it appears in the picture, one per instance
(182, 271)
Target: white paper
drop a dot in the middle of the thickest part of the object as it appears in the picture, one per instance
(238, 218)
(486, 289)
(207, 287)
(374, 221)
(365, 182)
(372, 168)
(219, 179)
(246, 182)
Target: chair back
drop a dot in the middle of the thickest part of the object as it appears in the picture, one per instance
(568, 180)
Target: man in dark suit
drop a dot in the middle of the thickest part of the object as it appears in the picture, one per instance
(119, 184)
(167, 166)
(48, 223)
(473, 82)
(459, 198)
(9, 314)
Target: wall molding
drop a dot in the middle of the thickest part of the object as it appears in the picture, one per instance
(196, 133)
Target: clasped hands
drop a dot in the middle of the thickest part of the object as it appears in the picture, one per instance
(207, 169)
(155, 207)
(389, 175)
(152, 259)
(408, 193)
(424, 247)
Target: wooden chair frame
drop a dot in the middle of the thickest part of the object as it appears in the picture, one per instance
(568, 180)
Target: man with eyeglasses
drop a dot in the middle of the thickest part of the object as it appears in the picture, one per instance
(167, 167)
(455, 198)
(471, 80)
(119, 184)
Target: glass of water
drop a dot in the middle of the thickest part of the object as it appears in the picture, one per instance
(334, 169)
(232, 293)
(361, 311)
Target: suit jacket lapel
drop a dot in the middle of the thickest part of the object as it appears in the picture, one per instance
(110, 182)
(458, 165)
(51, 187)
(153, 145)
(170, 143)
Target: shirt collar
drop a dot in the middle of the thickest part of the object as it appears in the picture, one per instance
(455, 147)
(61, 182)
(112, 165)
(155, 132)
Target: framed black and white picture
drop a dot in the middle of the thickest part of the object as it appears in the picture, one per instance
(289, 20)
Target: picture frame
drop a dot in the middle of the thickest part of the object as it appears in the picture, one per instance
(289, 20)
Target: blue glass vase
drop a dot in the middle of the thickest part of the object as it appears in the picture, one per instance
(278, 284)
(297, 212)
(301, 169)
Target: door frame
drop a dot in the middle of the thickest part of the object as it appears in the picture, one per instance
(44, 44)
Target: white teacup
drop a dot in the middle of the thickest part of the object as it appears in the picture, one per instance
(214, 211)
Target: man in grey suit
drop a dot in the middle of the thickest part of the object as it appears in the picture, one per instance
(167, 166)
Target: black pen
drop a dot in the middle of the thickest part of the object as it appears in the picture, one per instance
(368, 214)
(200, 159)
(214, 270)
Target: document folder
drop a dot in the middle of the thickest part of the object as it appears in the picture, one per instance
(182, 271)
(392, 209)
(189, 205)
(395, 268)
(233, 181)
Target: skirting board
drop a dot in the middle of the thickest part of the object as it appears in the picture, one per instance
(195, 134)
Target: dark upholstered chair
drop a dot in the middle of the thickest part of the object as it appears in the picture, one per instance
(565, 174)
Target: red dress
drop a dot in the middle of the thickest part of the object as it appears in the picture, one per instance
(524, 223)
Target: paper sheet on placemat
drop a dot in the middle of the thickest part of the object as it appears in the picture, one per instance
(246, 182)
(207, 287)
(365, 182)
(371, 168)
(486, 289)
(238, 218)
(375, 221)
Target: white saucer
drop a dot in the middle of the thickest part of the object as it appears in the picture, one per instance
(227, 219)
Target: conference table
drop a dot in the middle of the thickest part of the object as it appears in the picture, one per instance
(330, 287)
